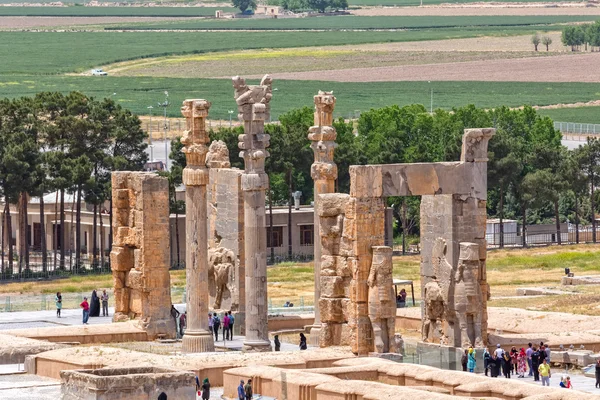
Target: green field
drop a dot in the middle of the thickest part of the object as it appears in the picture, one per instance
(45, 52)
(76, 11)
(358, 23)
(137, 93)
(583, 115)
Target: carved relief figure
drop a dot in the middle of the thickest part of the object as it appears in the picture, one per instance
(221, 262)
(382, 300)
(467, 295)
(434, 314)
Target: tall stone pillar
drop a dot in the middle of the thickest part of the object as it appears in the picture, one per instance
(253, 110)
(197, 337)
(324, 173)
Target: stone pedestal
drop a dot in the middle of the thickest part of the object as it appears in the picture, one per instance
(197, 337)
(253, 111)
(324, 173)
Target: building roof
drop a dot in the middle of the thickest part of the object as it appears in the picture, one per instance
(497, 220)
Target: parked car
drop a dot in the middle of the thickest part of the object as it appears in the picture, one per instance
(99, 72)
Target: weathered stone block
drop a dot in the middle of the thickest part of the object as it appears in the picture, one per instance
(331, 204)
(331, 310)
(121, 258)
(332, 287)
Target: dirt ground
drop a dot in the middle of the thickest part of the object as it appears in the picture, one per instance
(7, 23)
(485, 9)
(563, 68)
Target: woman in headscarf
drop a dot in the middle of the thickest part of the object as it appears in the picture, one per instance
(205, 389)
(95, 305)
(486, 360)
(522, 363)
(302, 342)
(471, 363)
(494, 365)
(506, 365)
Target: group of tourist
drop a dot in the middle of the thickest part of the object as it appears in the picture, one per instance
(516, 361)
(90, 309)
(214, 324)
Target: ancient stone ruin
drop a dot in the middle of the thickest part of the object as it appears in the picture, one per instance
(353, 305)
(253, 111)
(140, 253)
(324, 173)
(197, 338)
(126, 383)
(226, 272)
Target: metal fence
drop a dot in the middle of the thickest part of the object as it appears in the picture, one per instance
(577, 128)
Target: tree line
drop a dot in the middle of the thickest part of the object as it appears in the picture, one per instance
(531, 176)
(71, 143)
(576, 36)
(68, 144)
(296, 5)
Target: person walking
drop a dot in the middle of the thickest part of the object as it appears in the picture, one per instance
(464, 359)
(225, 326)
(277, 343)
(205, 389)
(528, 353)
(210, 323)
(240, 390)
(231, 321)
(58, 302)
(182, 323)
(598, 374)
(547, 348)
(216, 326)
(486, 360)
(514, 354)
(535, 364)
(506, 365)
(494, 366)
(248, 390)
(86, 310)
(522, 363)
(472, 362)
(302, 342)
(95, 304)
(544, 370)
(104, 299)
(175, 315)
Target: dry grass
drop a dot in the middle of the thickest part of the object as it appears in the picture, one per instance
(507, 270)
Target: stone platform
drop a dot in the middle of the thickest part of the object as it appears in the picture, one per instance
(85, 334)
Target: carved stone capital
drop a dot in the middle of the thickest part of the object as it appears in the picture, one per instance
(323, 171)
(475, 144)
(252, 182)
(195, 176)
(195, 136)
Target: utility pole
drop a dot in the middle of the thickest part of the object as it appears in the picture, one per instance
(164, 106)
(150, 136)
(431, 99)
(230, 114)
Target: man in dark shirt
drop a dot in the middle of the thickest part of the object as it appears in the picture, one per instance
(535, 363)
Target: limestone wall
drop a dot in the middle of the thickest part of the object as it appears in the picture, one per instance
(140, 254)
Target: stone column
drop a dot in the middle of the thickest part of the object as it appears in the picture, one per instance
(197, 337)
(253, 110)
(324, 174)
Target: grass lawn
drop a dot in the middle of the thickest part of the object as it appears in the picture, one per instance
(582, 115)
(77, 11)
(137, 93)
(360, 22)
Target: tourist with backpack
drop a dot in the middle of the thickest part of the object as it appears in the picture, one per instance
(216, 325)
(231, 321)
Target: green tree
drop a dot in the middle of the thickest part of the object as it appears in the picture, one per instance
(293, 5)
(588, 157)
(547, 41)
(319, 5)
(535, 40)
(243, 5)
